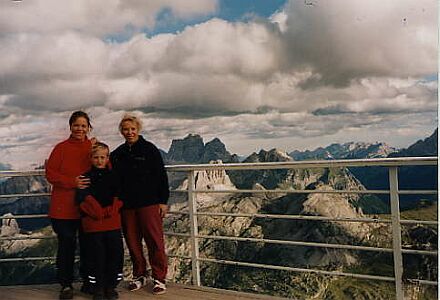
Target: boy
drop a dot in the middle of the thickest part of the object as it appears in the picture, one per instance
(101, 223)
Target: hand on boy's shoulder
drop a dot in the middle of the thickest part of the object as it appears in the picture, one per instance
(82, 182)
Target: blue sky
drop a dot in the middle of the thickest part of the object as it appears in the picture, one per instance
(230, 10)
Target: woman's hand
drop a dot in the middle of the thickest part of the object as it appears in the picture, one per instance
(163, 210)
(82, 182)
(93, 140)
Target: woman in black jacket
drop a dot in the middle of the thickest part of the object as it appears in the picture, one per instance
(144, 191)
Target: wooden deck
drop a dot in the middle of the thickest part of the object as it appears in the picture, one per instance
(174, 292)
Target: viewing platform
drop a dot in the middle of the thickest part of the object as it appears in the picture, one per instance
(174, 292)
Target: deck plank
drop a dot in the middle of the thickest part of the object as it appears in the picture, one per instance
(174, 291)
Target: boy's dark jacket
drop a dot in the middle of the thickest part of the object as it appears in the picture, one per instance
(141, 174)
(98, 203)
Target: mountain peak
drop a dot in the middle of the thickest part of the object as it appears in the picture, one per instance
(191, 149)
(273, 155)
(426, 147)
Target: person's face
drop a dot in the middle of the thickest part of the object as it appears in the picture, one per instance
(99, 158)
(79, 128)
(130, 132)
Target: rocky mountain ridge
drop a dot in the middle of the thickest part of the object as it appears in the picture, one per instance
(351, 150)
(192, 149)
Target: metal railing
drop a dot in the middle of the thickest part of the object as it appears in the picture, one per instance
(194, 237)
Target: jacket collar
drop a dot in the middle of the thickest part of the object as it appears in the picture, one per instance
(137, 144)
(76, 141)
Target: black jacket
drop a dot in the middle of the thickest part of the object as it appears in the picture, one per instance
(141, 173)
(103, 187)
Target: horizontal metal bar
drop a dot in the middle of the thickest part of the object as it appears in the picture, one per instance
(422, 222)
(293, 217)
(46, 216)
(174, 212)
(38, 258)
(18, 259)
(420, 252)
(384, 162)
(292, 191)
(178, 256)
(24, 217)
(169, 233)
(21, 259)
(420, 281)
(22, 173)
(296, 243)
(250, 191)
(24, 195)
(22, 238)
(302, 270)
(417, 192)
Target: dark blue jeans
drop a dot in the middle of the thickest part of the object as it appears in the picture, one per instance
(67, 232)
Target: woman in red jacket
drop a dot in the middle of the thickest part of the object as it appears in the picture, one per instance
(68, 160)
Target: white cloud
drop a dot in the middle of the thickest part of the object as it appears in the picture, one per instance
(98, 17)
(345, 39)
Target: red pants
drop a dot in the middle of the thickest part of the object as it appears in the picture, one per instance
(145, 223)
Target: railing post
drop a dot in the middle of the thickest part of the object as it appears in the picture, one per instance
(396, 231)
(194, 229)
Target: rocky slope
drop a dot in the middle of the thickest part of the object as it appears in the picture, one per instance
(299, 285)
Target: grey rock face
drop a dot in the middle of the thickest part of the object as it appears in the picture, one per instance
(189, 150)
(216, 150)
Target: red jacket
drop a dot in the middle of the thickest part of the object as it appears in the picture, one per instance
(97, 218)
(68, 160)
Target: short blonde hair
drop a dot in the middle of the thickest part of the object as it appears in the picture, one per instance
(131, 118)
(100, 146)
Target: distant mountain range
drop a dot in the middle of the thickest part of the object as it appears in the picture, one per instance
(191, 149)
(345, 151)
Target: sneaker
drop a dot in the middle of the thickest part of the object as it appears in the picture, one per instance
(87, 288)
(66, 292)
(159, 287)
(111, 294)
(137, 283)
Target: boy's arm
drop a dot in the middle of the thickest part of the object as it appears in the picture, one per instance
(81, 194)
(113, 209)
(92, 208)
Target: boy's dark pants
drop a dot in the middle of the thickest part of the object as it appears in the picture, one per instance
(106, 258)
(67, 231)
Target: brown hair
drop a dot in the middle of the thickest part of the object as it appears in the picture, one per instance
(79, 114)
(131, 118)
